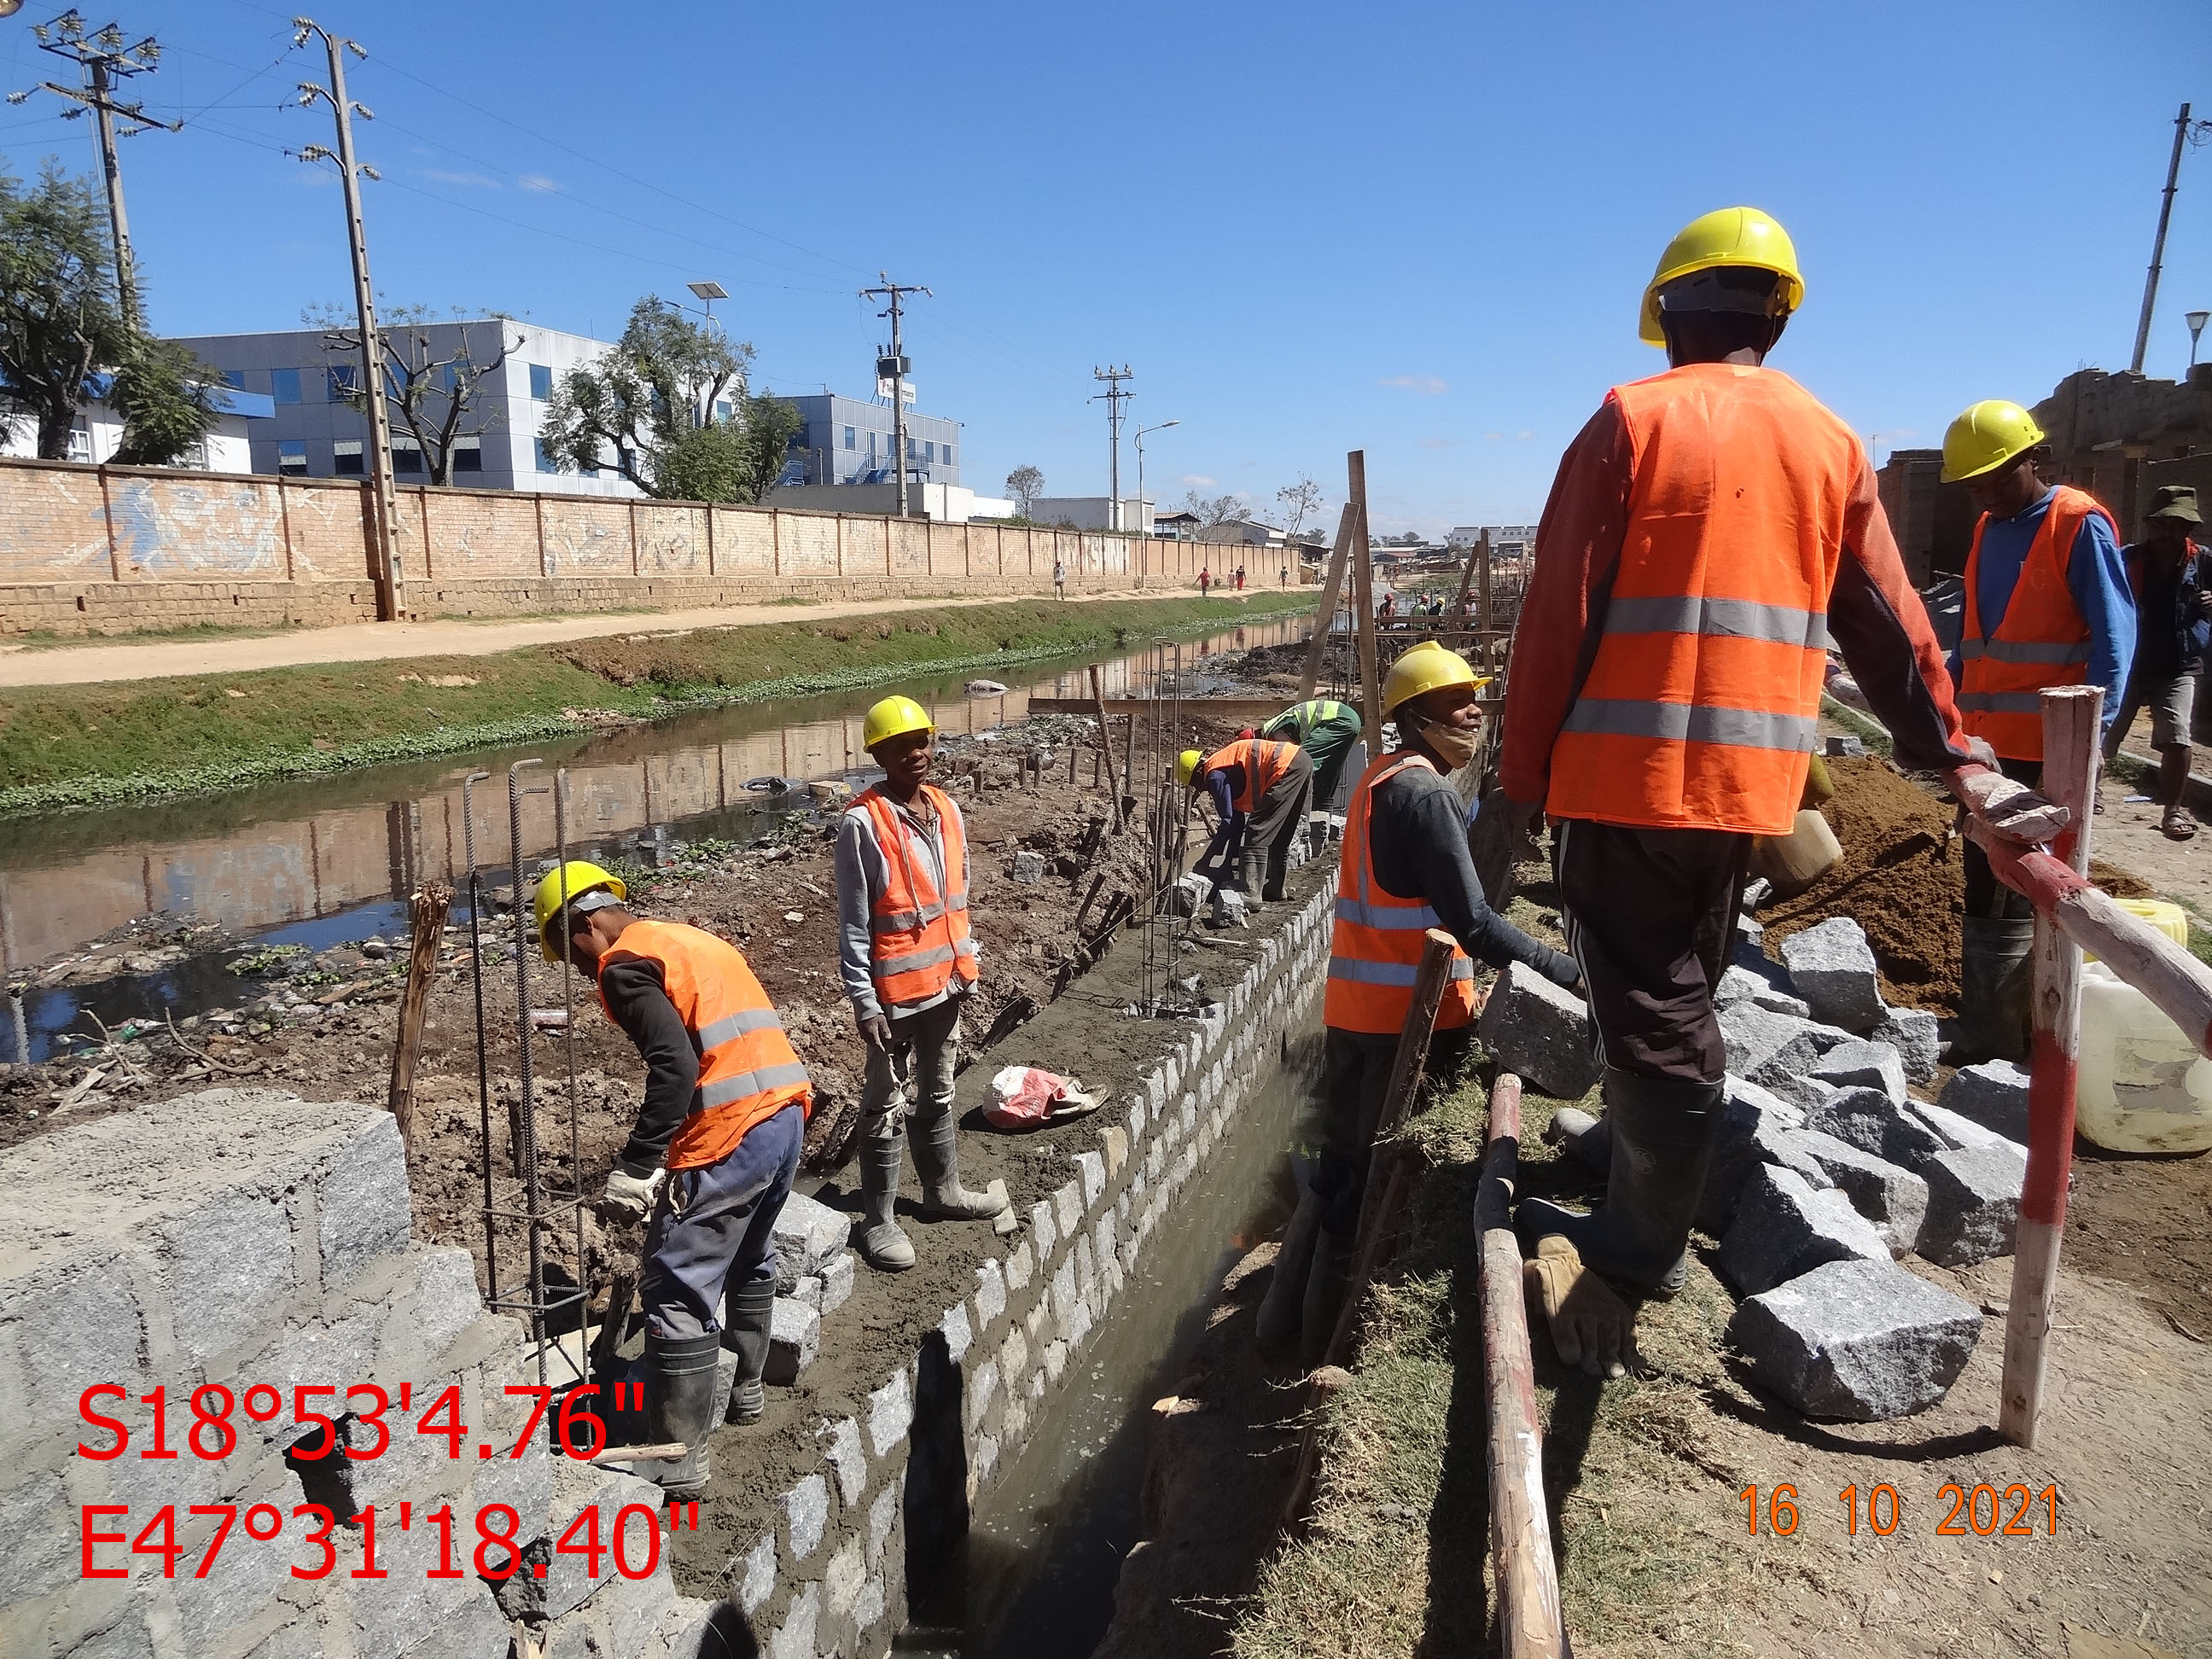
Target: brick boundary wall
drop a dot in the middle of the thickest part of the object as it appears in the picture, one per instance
(243, 1235)
(101, 549)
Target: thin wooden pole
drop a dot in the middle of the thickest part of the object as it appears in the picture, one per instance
(1466, 578)
(1113, 783)
(1384, 1194)
(1331, 593)
(1520, 1529)
(1363, 587)
(1482, 552)
(2070, 779)
(429, 906)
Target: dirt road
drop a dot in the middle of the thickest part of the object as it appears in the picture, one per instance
(83, 665)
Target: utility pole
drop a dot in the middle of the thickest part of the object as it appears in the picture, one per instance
(104, 60)
(1114, 397)
(896, 366)
(2184, 131)
(384, 508)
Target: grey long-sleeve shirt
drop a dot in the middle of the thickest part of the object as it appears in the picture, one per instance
(863, 871)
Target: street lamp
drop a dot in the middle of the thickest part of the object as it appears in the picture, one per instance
(2196, 319)
(1162, 427)
(708, 293)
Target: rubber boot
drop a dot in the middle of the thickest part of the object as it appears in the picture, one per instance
(1281, 1310)
(744, 1338)
(679, 1405)
(1663, 1145)
(1587, 1139)
(1997, 982)
(1326, 1281)
(1247, 879)
(881, 1244)
(937, 1161)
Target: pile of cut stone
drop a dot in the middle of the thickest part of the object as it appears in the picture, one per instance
(1827, 1170)
(813, 1277)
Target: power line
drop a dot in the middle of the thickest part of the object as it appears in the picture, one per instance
(895, 364)
(1114, 397)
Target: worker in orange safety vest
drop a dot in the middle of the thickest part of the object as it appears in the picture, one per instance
(725, 1110)
(1258, 788)
(908, 961)
(1712, 531)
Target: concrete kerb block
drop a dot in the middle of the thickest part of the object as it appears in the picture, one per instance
(1861, 1341)
(954, 1329)
(1044, 1228)
(1913, 1033)
(1974, 1204)
(847, 1457)
(1533, 1027)
(1993, 1094)
(1068, 1208)
(1768, 1047)
(1784, 1228)
(1091, 1170)
(808, 1233)
(1871, 1120)
(1954, 1131)
(891, 1415)
(837, 1277)
(361, 1204)
(794, 1637)
(1831, 967)
(1891, 1197)
(1139, 1114)
(795, 1338)
(990, 1297)
(1752, 1121)
(1021, 1266)
(1863, 1064)
(981, 1388)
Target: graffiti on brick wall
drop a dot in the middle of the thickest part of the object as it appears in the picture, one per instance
(181, 529)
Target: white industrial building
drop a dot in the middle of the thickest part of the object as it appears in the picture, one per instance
(98, 431)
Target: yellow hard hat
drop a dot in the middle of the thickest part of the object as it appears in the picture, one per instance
(1427, 667)
(564, 886)
(894, 717)
(1187, 765)
(1985, 437)
(1731, 236)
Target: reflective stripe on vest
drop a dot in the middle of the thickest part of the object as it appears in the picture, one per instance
(748, 1070)
(1702, 696)
(1263, 761)
(918, 937)
(2041, 640)
(1375, 947)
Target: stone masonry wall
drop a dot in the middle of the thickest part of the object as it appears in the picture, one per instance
(244, 1237)
(94, 549)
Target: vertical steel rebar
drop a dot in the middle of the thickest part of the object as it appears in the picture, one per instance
(527, 1121)
(483, 1055)
(568, 1049)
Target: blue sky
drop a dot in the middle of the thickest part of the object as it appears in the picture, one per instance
(1420, 229)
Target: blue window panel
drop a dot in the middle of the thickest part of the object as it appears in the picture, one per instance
(541, 382)
(945, 453)
(292, 455)
(234, 379)
(345, 458)
(544, 461)
(468, 455)
(721, 413)
(284, 385)
(852, 439)
(339, 382)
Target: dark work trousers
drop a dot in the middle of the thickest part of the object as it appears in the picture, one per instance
(1266, 828)
(1650, 918)
(1985, 894)
(1331, 744)
(1355, 1075)
(714, 1227)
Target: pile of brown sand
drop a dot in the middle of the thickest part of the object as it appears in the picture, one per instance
(1899, 881)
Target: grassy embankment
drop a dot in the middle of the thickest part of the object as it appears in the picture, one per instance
(1395, 1561)
(93, 746)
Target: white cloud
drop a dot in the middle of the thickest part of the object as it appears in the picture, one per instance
(1195, 481)
(476, 179)
(1428, 385)
(537, 181)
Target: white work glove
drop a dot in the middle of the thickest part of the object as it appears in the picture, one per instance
(2012, 810)
(629, 1197)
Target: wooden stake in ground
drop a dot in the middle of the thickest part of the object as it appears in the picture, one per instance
(426, 916)
(1489, 622)
(2071, 721)
(1520, 1530)
(1113, 783)
(1332, 593)
(1363, 588)
(1389, 1179)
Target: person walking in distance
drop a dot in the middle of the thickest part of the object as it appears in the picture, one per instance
(1405, 869)
(2171, 579)
(908, 964)
(725, 1110)
(1711, 530)
(1060, 578)
(2047, 603)
(1240, 579)
(1205, 579)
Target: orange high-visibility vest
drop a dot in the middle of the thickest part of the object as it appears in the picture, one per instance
(918, 937)
(2041, 640)
(748, 1070)
(1702, 700)
(1374, 948)
(1263, 763)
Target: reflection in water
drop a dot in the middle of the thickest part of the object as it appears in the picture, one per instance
(332, 860)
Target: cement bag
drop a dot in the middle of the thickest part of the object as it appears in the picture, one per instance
(1023, 1096)
(1795, 861)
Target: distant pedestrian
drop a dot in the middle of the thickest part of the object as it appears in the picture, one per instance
(1240, 579)
(2171, 577)
(1205, 579)
(1388, 607)
(1287, 576)
(1060, 579)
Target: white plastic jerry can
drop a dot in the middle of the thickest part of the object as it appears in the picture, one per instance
(2142, 1086)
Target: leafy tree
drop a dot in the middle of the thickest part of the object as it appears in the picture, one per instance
(1024, 483)
(651, 406)
(1298, 500)
(1214, 509)
(61, 322)
(437, 397)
